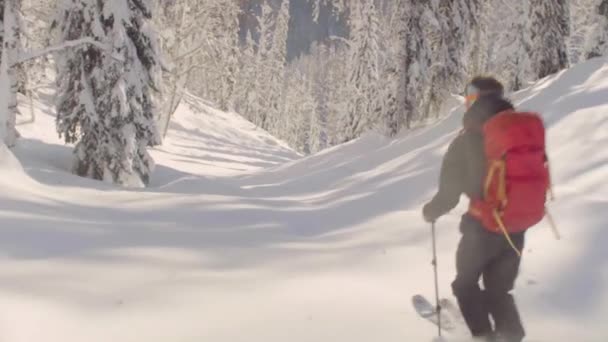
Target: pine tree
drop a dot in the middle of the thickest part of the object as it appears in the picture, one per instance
(245, 79)
(320, 90)
(583, 20)
(549, 28)
(417, 62)
(301, 109)
(449, 35)
(275, 62)
(258, 95)
(509, 43)
(114, 116)
(478, 42)
(227, 45)
(364, 75)
(76, 84)
(597, 42)
(337, 88)
(393, 44)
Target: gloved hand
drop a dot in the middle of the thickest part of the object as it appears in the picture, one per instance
(426, 213)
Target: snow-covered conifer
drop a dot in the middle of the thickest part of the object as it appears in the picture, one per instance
(365, 72)
(509, 43)
(549, 30)
(106, 101)
(597, 41)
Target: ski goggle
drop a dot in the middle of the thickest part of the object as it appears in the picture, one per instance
(471, 95)
(470, 99)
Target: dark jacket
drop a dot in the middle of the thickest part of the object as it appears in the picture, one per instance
(464, 165)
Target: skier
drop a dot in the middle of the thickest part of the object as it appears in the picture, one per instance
(481, 252)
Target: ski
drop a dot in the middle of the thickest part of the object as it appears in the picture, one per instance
(426, 310)
(452, 310)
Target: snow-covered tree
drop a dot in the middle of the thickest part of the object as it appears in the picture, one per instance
(11, 48)
(77, 70)
(202, 45)
(549, 30)
(299, 128)
(335, 91)
(479, 39)
(274, 64)
(582, 22)
(113, 118)
(261, 80)
(509, 43)
(450, 33)
(365, 70)
(315, 91)
(597, 41)
(392, 45)
(225, 45)
(258, 104)
(181, 41)
(246, 78)
(417, 62)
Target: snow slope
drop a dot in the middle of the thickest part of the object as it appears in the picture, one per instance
(229, 245)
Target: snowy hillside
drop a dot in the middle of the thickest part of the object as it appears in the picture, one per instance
(228, 245)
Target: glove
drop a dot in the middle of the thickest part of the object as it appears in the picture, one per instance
(426, 214)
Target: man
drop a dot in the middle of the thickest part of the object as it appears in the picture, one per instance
(481, 253)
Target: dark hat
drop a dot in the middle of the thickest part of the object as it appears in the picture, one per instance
(482, 85)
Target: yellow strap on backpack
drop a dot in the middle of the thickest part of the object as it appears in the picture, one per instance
(505, 232)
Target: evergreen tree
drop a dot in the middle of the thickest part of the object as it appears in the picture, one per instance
(258, 95)
(246, 81)
(417, 62)
(510, 45)
(321, 90)
(76, 112)
(454, 24)
(582, 23)
(275, 62)
(394, 35)
(365, 72)
(113, 117)
(479, 39)
(549, 29)
(597, 43)
(227, 42)
(336, 93)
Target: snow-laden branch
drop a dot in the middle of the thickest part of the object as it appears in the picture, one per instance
(24, 57)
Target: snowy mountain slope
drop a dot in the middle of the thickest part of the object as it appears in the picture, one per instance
(225, 142)
(202, 143)
(329, 247)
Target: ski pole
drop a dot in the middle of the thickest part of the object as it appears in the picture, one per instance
(434, 262)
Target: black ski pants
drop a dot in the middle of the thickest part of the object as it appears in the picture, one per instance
(483, 254)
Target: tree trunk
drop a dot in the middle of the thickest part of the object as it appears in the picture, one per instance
(8, 82)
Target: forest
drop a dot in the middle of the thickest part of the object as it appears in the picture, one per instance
(122, 67)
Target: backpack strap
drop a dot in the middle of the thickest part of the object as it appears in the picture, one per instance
(499, 168)
(505, 232)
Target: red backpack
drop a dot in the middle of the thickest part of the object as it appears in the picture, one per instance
(517, 177)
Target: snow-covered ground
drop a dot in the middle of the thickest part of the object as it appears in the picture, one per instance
(240, 239)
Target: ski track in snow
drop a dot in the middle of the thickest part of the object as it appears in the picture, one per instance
(238, 238)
